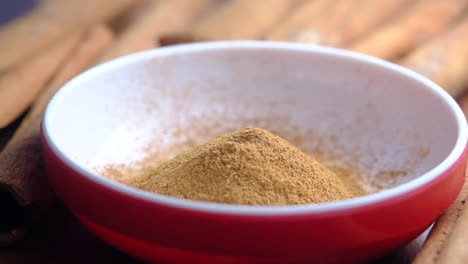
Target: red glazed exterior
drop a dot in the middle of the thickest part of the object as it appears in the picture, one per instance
(159, 232)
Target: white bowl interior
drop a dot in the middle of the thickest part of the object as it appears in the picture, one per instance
(351, 112)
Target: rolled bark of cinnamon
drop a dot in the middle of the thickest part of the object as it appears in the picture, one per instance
(455, 250)
(463, 103)
(442, 230)
(20, 85)
(335, 23)
(46, 24)
(162, 17)
(421, 21)
(177, 38)
(242, 19)
(444, 59)
(325, 28)
(24, 193)
(299, 19)
(367, 17)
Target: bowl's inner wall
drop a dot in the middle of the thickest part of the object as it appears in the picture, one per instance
(345, 112)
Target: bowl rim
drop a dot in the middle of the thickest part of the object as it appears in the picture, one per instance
(217, 208)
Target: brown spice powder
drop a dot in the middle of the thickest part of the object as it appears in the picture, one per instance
(251, 167)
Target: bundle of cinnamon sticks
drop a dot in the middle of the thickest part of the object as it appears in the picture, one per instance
(45, 48)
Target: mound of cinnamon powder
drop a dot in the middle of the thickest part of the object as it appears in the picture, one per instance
(251, 167)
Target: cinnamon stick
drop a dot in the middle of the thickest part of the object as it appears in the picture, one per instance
(46, 24)
(20, 85)
(455, 250)
(442, 229)
(463, 103)
(444, 59)
(324, 26)
(162, 17)
(421, 21)
(24, 194)
(177, 38)
(242, 19)
(367, 17)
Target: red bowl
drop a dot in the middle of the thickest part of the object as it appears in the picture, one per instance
(384, 116)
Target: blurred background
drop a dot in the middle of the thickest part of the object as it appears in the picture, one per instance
(40, 42)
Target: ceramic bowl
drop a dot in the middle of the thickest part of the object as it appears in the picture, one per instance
(402, 129)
